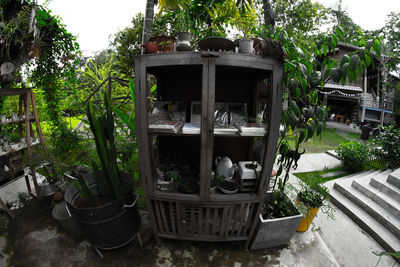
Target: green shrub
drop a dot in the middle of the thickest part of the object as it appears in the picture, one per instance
(353, 155)
(65, 144)
(389, 141)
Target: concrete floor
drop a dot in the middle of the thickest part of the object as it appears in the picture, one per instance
(34, 239)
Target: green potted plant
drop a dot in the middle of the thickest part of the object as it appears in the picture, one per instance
(102, 201)
(184, 36)
(278, 220)
(312, 197)
(246, 23)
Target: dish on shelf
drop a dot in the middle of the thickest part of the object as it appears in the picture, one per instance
(228, 187)
(216, 44)
(188, 186)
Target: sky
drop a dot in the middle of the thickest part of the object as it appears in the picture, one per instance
(94, 21)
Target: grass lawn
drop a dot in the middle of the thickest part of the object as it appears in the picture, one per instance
(72, 123)
(303, 175)
(329, 140)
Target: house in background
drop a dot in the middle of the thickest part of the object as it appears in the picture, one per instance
(361, 100)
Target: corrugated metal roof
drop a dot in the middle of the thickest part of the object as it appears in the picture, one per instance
(343, 87)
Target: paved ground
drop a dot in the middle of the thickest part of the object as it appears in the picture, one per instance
(343, 127)
(33, 239)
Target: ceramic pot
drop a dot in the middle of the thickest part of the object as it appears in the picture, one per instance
(183, 43)
(224, 167)
(246, 46)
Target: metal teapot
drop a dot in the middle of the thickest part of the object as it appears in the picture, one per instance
(224, 167)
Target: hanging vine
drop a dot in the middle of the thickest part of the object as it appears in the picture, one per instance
(30, 34)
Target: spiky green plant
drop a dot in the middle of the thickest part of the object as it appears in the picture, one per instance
(102, 125)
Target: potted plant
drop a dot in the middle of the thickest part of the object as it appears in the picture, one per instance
(280, 216)
(183, 34)
(102, 201)
(278, 220)
(160, 43)
(312, 197)
(246, 23)
(228, 187)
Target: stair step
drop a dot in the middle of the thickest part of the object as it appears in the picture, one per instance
(381, 215)
(394, 178)
(377, 196)
(331, 183)
(389, 189)
(386, 239)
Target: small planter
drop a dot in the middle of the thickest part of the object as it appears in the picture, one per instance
(307, 220)
(228, 187)
(183, 43)
(275, 232)
(165, 183)
(246, 46)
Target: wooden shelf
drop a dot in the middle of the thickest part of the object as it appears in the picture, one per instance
(19, 120)
(207, 78)
(4, 153)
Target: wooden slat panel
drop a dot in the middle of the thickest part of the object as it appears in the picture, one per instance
(250, 220)
(180, 221)
(164, 218)
(207, 221)
(215, 221)
(223, 223)
(192, 219)
(172, 217)
(200, 221)
(158, 216)
(242, 217)
(229, 223)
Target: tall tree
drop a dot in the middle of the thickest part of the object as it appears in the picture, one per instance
(352, 33)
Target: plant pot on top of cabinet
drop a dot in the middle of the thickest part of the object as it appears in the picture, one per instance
(183, 42)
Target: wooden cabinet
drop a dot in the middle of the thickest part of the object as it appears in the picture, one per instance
(206, 79)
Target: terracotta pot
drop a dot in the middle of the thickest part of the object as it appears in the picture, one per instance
(151, 48)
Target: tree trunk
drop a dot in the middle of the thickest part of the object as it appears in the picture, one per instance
(268, 14)
(148, 21)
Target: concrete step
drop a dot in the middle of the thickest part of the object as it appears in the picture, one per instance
(332, 153)
(377, 196)
(386, 239)
(394, 178)
(381, 215)
(385, 187)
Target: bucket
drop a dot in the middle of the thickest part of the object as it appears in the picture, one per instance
(111, 225)
(65, 220)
